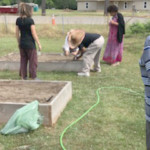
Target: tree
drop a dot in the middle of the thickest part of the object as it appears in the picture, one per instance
(72, 4)
(43, 7)
(5, 2)
(49, 3)
(63, 4)
(39, 2)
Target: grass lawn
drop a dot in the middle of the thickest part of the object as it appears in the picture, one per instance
(117, 123)
(59, 12)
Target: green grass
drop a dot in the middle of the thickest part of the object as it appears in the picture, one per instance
(117, 123)
(60, 12)
(48, 45)
(51, 37)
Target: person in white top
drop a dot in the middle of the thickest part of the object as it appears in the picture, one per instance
(67, 50)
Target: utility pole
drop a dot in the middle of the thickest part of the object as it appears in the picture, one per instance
(105, 7)
(43, 7)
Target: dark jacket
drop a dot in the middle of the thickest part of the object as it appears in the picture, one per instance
(121, 27)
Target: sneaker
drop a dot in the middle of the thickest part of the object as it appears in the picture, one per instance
(86, 74)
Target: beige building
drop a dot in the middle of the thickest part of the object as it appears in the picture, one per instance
(95, 5)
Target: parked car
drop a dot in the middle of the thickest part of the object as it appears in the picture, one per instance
(13, 9)
(8, 9)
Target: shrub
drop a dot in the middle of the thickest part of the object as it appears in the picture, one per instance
(137, 28)
(147, 26)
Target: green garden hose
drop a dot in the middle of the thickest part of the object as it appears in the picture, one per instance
(93, 106)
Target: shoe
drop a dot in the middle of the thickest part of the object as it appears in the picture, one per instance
(86, 74)
(37, 79)
(115, 64)
(24, 78)
(95, 70)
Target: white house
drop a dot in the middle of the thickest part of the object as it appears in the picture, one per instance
(95, 5)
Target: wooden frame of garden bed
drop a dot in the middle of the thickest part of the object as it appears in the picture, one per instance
(51, 110)
(62, 65)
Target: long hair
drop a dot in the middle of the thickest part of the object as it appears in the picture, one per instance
(25, 10)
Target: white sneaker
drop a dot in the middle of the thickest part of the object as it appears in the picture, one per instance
(86, 74)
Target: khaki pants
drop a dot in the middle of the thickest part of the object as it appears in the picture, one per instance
(92, 54)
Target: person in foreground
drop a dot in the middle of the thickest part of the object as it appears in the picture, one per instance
(90, 44)
(26, 37)
(114, 47)
(145, 73)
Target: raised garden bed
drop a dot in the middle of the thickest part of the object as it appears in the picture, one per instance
(46, 62)
(53, 97)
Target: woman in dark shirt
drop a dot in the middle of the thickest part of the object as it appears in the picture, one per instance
(26, 37)
(89, 43)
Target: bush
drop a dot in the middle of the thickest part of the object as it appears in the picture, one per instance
(147, 26)
(139, 27)
(64, 4)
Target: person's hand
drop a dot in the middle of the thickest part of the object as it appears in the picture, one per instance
(40, 47)
(78, 56)
(74, 53)
(113, 22)
(83, 50)
(75, 58)
(66, 53)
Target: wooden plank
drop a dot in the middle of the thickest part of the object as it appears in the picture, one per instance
(51, 111)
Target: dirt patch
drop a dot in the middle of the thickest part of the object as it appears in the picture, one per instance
(17, 91)
(44, 57)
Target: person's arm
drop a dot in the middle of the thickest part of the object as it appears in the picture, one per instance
(75, 52)
(146, 58)
(114, 23)
(83, 49)
(34, 34)
(79, 54)
(66, 46)
(17, 35)
(66, 53)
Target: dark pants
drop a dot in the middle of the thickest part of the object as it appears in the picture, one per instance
(148, 135)
(31, 56)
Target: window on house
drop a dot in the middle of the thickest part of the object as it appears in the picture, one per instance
(125, 5)
(145, 4)
(87, 5)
